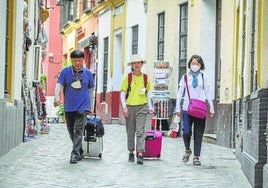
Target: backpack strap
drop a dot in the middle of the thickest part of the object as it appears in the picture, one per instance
(145, 79)
(129, 78)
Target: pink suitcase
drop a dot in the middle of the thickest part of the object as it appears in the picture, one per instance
(153, 144)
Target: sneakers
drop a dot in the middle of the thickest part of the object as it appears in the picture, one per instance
(186, 156)
(73, 160)
(131, 157)
(79, 158)
(196, 161)
(76, 158)
(139, 159)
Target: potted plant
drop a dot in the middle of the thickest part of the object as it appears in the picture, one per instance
(60, 112)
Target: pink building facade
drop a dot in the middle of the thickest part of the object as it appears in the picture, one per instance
(52, 61)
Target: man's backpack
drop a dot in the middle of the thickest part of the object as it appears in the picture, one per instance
(145, 78)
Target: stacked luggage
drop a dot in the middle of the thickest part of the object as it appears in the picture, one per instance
(92, 144)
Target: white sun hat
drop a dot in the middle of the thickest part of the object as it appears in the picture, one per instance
(136, 58)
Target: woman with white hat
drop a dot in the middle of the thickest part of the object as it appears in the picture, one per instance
(136, 106)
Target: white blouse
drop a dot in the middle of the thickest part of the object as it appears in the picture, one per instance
(201, 92)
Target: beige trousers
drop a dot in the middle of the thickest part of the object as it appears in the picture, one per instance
(135, 127)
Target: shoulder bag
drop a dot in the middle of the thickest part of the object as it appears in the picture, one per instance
(196, 108)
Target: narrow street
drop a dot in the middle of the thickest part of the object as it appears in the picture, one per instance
(44, 162)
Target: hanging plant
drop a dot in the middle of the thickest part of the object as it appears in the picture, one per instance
(43, 78)
(43, 81)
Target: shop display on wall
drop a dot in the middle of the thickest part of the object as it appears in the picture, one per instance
(161, 93)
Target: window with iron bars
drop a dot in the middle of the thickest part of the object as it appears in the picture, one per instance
(105, 67)
(135, 38)
(183, 23)
(161, 36)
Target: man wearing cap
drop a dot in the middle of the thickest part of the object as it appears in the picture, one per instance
(136, 107)
(77, 83)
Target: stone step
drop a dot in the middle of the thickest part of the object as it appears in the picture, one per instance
(115, 120)
(210, 138)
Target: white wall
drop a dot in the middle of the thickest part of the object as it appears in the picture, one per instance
(18, 50)
(208, 39)
(117, 61)
(30, 54)
(104, 31)
(135, 15)
(202, 36)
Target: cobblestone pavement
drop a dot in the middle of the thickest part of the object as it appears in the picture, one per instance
(44, 162)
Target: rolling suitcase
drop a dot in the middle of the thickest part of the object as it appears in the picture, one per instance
(153, 143)
(92, 144)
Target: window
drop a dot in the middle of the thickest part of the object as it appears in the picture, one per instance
(183, 24)
(253, 75)
(88, 5)
(243, 59)
(37, 61)
(118, 10)
(67, 13)
(105, 67)
(135, 37)
(218, 50)
(85, 5)
(160, 36)
(71, 11)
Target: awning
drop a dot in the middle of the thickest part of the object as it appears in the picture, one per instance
(87, 41)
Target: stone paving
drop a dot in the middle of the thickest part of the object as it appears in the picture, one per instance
(44, 162)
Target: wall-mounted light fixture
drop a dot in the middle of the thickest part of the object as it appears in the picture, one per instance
(50, 57)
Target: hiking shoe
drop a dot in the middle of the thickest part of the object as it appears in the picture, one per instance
(186, 156)
(196, 161)
(139, 159)
(131, 157)
(79, 158)
(73, 160)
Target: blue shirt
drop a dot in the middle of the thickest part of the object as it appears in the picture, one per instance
(76, 99)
